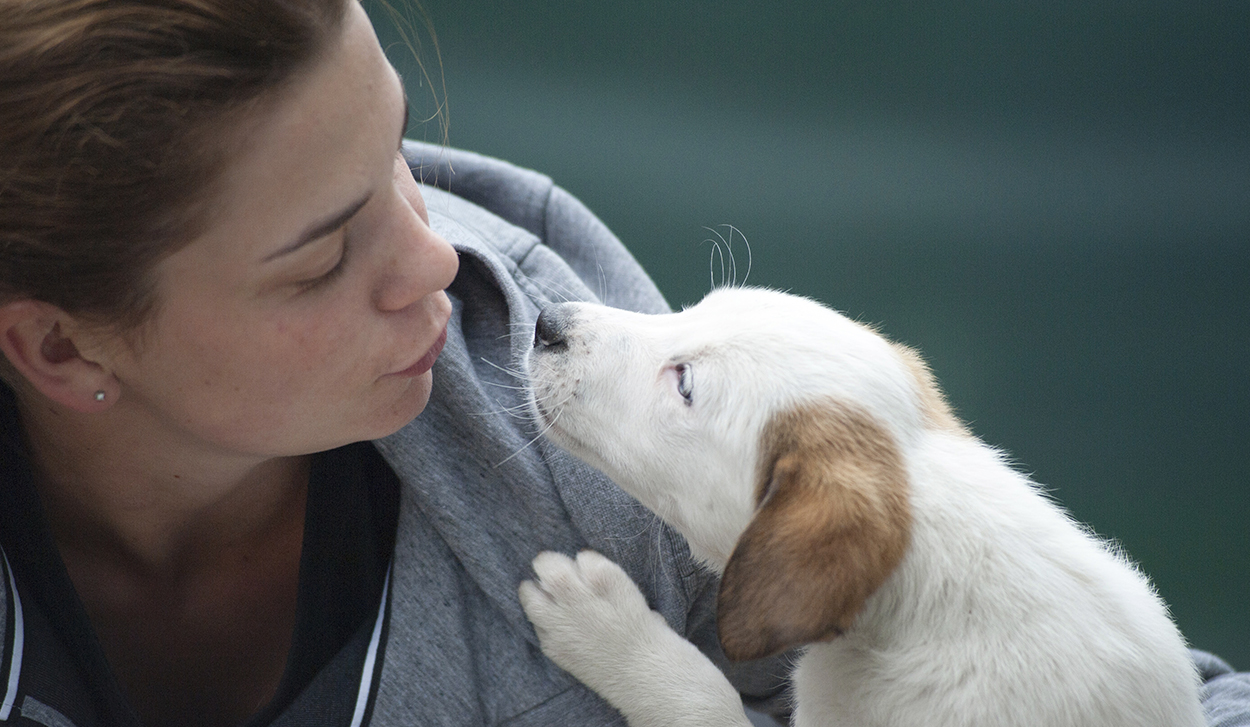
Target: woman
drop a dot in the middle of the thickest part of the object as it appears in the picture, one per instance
(222, 296)
(216, 265)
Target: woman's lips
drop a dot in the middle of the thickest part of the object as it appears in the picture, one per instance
(426, 362)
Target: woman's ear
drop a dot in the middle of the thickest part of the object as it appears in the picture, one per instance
(37, 338)
(833, 524)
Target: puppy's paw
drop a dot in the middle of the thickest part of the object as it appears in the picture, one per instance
(594, 623)
(589, 616)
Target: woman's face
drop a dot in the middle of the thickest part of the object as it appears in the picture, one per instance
(309, 313)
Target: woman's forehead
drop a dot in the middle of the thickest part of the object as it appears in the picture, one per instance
(317, 149)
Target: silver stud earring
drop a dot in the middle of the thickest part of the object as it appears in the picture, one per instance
(99, 396)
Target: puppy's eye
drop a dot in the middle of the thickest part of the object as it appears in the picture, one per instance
(685, 382)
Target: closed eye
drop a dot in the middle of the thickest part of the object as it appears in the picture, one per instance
(329, 275)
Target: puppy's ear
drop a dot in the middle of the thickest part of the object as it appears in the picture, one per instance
(833, 523)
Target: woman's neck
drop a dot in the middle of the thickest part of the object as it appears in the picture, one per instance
(150, 501)
(187, 562)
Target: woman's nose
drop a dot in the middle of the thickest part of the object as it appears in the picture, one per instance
(420, 262)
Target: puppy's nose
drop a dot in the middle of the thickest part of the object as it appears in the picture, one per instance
(551, 329)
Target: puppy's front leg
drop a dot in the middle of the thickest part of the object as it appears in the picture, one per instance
(594, 622)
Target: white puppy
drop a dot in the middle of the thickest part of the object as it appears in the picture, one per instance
(817, 467)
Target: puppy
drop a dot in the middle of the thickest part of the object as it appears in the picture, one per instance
(818, 468)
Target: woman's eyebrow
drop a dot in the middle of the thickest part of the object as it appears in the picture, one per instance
(325, 227)
(320, 229)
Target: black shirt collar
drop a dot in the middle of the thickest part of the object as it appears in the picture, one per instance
(349, 534)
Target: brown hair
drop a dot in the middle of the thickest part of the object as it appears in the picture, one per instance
(112, 115)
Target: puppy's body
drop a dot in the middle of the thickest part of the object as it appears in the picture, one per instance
(1003, 612)
(816, 466)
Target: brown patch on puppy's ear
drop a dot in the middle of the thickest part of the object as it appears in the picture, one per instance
(833, 523)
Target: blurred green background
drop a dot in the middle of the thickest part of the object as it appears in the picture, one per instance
(1050, 200)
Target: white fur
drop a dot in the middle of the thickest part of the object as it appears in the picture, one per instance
(1003, 611)
(592, 620)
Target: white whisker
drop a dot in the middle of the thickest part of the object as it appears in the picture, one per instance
(560, 293)
(750, 259)
(520, 411)
(511, 372)
(733, 263)
(506, 386)
(724, 247)
(711, 262)
(537, 437)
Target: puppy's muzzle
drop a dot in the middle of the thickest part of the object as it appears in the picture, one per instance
(551, 330)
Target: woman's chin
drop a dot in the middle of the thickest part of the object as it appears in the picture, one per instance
(410, 402)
